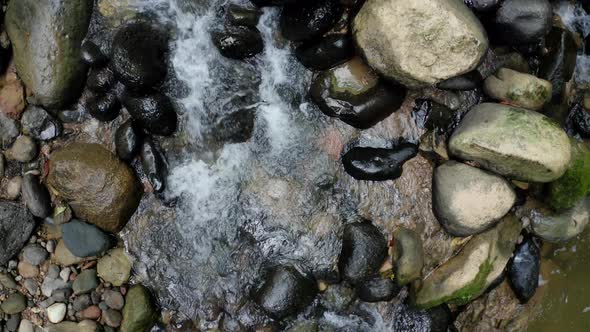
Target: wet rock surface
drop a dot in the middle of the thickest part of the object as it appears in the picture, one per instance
(155, 113)
(36, 196)
(374, 164)
(524, 268)
(154, 165)
(104, 107)
(518, 89)
(363, 251)
(238, 42)
(303, 21)
(377, 289)
(326, 53)
(128, 140)
(39, 124)
(521, 22)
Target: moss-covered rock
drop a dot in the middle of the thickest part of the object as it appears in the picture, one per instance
(139, 311)
(518, 143)
(518, 89)
(566, 191)
(46, 36)
(467, 275)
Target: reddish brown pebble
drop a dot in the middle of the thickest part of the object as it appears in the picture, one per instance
(92, 312)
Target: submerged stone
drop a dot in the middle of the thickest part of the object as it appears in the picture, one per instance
(155, 113)
(16, 226)
(520, 144)
(524, 268)
(238, 42)
(326, 53)
(354, 93)
(110, 190)
(434, 40)
(467, 200)
(518, 89)
(286, 292)
(305, 20)
(377, 164)
(467, 275)
(574, 185)
(46, 37)
(363, 251)
(408, 256)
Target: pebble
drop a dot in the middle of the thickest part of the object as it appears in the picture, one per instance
(36, 196)
(64, 274)
(53, 272)
(114, 299)
(14, 304)
(85, 282)
(92, 312)
(31, 286)
(56, 312)
(35, 254)
(82, 302)
(50, 246)
(24, 149)
(12, 322)
(50, 285)
(12, 189)
(27, 270)
(26, 326)
(85, 240)
(7, 281)
(112, 318)
(115, 267)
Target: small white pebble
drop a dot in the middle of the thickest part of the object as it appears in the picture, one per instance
(56, 312)
(65, 274)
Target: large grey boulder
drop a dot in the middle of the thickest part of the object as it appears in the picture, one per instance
(511, 141)
(419, 42)
(467, 275)
(467, 200)
(16, 226)
(46, 36)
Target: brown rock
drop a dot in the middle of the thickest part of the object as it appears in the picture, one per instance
(98, 187)
(27, 271)
(92, 312)
(12, 94)
(63, 256)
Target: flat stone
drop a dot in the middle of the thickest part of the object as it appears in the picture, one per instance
(115, 267)
(85, 240)
(63, 256)
(85, 282)
(16, 226)
(7, 281)
(26, 326)
(35, 254)
(518, 143)
(112, 318)
(27, 270)
(49, 286)
(9, 130)
(14, 304)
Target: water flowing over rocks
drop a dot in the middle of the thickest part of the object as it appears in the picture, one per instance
(514, 142)
(434, 40)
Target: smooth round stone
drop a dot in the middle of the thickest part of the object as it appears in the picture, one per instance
(85, 240)
(26, 326)
(114, 299)
(139, 312)
(128, 140)
(92, 55)
(7, 281)
(521, 22)
(467, 200)
(238, 15)
(104, 107)
(286, 292)
(524, 268)
(35, 254)
(14, 303)
(363, 251)
(408, 255)
(85, 282)
(303, 21)
(12, 189)
(468, 81)
(82, 302)
(329, 52)
(115, 267)
(518, 89)
(154, 165)
(238, 42)
(138, 56)
(39, 124)
(12, 322)
(377, 164)
(64, 256)
(112, 318)
(91, 312)
(24, 149)
(36, 196)
(377, 289)
(27, 270)
(57, 312)
(155, 113)
(101, 80)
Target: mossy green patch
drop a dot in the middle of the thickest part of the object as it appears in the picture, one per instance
(566, 191)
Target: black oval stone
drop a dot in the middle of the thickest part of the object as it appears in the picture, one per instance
(92, 55)
(521, 22)
(139, 56)
(127, 140)
(377, 289)
(523, 269)
(154, 165)
(36, 196)
(377, 164)
(327, 52)
(363, 251)
(307, 20)
(286, 292)
(155, 113)
(104, 107)
(238, 42)
(101, 80)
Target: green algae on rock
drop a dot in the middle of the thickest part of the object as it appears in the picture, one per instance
(46, 37)
(514, 142)
(98, 187)
(569, 189)
(518, 89)
(139, 311)
(467, 275)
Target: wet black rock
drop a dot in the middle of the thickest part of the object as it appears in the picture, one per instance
(154, 165)
(303, 21)
(72, 115)
(85, 240)
(558, 64)
(38, 123)
(482, 5)
(581, 120)
(139, 56)
(377, 289)
(104, 107)
(101, 79)
(524, 268)
(468, 81)
(521, 22)
(286, 292)
(434, 116)
(155, 113)
(92, 54)
(235, 127)
(363, 251)
(238, 42)
(327, 52)
(35, 196)
(377, 164)
(238, 15)
(128, 140)
(408, 318)
(16, 226)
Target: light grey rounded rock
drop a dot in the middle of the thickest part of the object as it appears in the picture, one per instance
(467, 200)
(26, 326)
(56, 312)
(419, 42)
(35, 254)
